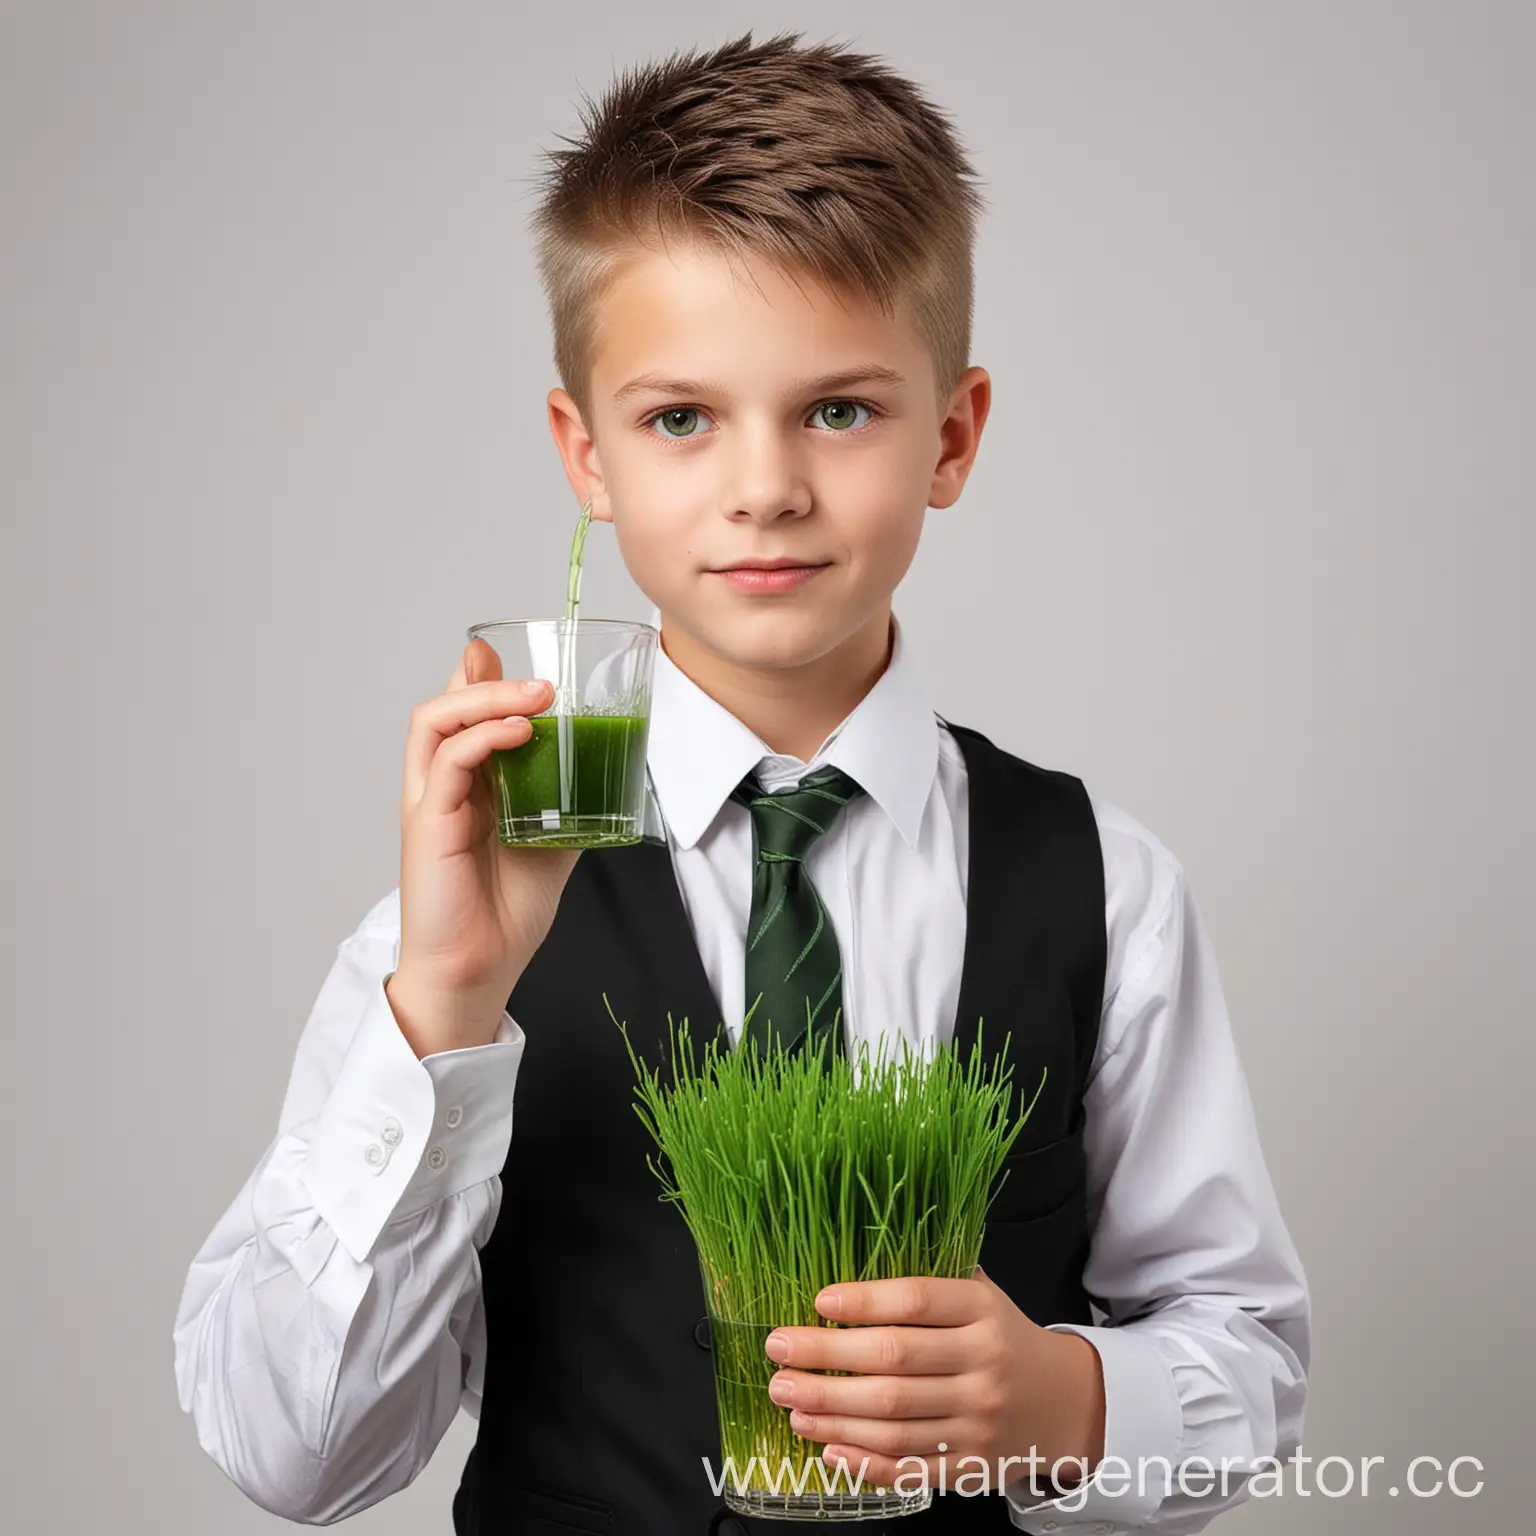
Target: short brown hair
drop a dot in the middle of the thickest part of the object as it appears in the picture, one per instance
(823, 161)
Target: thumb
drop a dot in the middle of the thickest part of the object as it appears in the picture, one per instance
(478, 663)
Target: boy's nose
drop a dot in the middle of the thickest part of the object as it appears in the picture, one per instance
(765, 479)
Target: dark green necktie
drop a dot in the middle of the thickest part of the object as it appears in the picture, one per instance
(793, 967)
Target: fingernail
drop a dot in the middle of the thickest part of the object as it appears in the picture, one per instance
(777, 1347)
(780, 1390)
(829, 1303)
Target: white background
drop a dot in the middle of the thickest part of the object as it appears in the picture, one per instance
(1247, 548)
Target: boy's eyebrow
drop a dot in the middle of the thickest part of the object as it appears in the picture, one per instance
(868, 373)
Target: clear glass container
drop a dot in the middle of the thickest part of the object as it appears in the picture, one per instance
(579, 780)
(768, 1469)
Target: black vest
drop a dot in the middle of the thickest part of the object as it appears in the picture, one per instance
(599, 1404)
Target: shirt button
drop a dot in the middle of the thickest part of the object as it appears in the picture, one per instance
(453, 1117)
(373, 1155)
(701, 1334)
(1102, 1530)
(1047, 1525)
(436, 1157)
(391, 1133)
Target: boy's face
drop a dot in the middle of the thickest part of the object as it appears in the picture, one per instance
(733, 423)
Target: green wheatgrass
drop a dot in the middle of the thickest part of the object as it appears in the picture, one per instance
(792, 1174)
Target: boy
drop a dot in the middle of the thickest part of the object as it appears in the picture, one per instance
(759, 267)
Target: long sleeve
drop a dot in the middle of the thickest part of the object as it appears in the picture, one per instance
(330, 1326)
(1206, 1336)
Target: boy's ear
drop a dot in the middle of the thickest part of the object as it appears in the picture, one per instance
(959, 436)
(578, 452)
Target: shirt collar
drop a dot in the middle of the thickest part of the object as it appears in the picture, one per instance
(698, 751)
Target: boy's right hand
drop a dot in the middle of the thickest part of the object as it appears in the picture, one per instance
(472, 911)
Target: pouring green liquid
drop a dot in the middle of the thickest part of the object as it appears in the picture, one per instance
(579, 780)
(573, 574)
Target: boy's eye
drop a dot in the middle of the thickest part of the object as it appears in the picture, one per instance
(840, 415)
(681, 421)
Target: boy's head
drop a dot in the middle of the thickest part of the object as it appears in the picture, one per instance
(758, 265)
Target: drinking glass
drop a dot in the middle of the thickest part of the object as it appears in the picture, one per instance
(768, 1469)
(579, 780)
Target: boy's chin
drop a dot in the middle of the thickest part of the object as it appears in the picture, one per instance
(773, 640)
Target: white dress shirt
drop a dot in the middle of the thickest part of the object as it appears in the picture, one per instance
(331, 1326)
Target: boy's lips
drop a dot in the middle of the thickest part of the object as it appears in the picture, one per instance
(768, 578)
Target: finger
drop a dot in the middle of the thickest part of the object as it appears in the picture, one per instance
(871, 1470)
(479, 662)
(883, 1437)
(452, 774)
(873, 1397)
(932, 1300)
(433, 722)
(875, 1351)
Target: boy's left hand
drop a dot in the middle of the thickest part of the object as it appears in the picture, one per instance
(951, 1361)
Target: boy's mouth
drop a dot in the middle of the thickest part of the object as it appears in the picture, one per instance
(782, 575)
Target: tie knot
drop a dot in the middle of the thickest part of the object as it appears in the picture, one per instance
(788, 823)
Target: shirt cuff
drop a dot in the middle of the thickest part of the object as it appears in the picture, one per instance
(398, 1133)
(1143, 1432)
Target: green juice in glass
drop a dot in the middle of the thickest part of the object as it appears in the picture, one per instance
(605, 778)
(576, 782)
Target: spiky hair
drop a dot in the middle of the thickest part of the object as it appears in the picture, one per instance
(823, 161)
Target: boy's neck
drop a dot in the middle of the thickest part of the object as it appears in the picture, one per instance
(792, 709)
